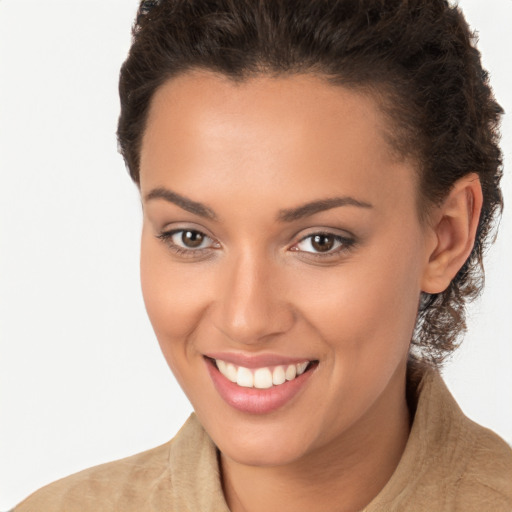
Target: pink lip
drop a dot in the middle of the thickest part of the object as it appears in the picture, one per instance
(252, 400)
(256, 360)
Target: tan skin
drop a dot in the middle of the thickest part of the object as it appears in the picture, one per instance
(259, 284)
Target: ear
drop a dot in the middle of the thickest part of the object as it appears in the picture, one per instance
(454, 229)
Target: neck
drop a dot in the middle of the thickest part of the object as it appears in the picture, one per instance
(344, 475)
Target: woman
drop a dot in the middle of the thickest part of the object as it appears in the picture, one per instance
(319, 182)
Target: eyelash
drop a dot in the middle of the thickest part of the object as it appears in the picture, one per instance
(345, 244)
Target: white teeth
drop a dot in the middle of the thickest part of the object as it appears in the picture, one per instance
(244, 377)
(231, 372)
(278, 376)
(301, 368)
(291, 372)
(260, 378)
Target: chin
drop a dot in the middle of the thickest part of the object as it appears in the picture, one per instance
(261, 445)
(263, 453)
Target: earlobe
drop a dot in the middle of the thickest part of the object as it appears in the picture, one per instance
(454, 233)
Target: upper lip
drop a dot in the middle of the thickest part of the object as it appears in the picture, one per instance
(256, 360)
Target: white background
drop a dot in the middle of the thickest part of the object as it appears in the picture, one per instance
(82, 380)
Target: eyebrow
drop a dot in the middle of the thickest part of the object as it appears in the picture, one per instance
(293, 214)
(286, 215)
(182, 201)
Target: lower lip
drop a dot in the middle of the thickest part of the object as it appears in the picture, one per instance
(253, 400)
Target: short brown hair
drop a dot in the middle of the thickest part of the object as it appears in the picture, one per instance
(418, 56)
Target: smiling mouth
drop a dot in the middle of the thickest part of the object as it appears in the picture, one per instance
(252, 390)
(261, 378)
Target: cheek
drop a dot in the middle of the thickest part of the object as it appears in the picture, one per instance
(364, 314)
(173, 293)
(364, 309)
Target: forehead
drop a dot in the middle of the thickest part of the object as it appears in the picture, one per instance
(204, 129)
(290, 107)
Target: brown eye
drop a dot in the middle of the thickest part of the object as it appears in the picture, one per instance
(188, 241)
(322, 243)
(192, 239)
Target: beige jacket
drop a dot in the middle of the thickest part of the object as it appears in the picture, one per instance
(449, 464)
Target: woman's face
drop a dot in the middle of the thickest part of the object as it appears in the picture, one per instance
(279, 230)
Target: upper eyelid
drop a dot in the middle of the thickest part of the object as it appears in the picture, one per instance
(172, 230)
(167, 233)
(333, 230)
(325, 232)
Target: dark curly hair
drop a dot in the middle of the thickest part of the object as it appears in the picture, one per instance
(418, 58)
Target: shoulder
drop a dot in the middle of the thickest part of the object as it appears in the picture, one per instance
(117, 485)
(450, 463)
(179, 475)
(487, 476)
(475, 463)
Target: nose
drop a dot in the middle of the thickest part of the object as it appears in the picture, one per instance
(251, 306)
